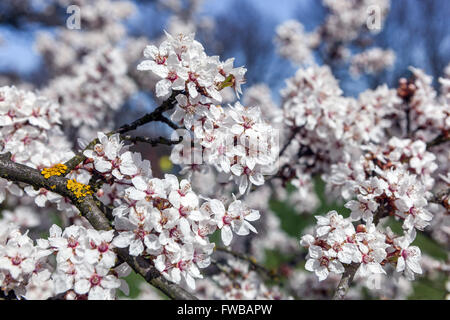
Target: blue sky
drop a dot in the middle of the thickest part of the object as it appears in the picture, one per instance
(16, 47)
(16, 50)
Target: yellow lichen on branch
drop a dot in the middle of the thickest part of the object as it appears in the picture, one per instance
(79, 190)
(56, 170)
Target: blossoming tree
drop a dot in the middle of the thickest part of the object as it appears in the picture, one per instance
(384, 155)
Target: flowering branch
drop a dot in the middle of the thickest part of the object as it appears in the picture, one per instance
(156, 115)
(86, 204)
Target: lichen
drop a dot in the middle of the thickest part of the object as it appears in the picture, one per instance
(56, 170)
(79, 190)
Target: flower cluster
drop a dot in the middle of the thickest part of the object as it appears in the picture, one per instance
(294, 44)
(336, 242)
(84, 258)
(429, 114)
(344, 28)
(99, 85)
(21, 262)
(325, 121)
(371, 61)
(101, 24)
(323, 127)
(85, 264)
(386, 178)
(30, 132)
(162, 218)
(235, 140)
(182, 65)
(347, 19)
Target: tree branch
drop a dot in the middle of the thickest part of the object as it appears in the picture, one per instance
(346, 281)
(152, 142)
(253, 264)
(442, 138)
(87, 205)
(156, 115)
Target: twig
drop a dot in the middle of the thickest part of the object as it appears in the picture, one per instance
(291, 137)
(442, 138)
(156, 115)
(254, 265)
(152, 142)
(408, 119)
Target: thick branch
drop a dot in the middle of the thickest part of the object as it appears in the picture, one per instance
(346, 281)
(17, 172)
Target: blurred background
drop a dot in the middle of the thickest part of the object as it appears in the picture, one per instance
(37, 50)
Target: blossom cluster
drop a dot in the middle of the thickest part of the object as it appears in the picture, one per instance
(101, 22)
(377, 176)
(335, 39)
(327, 122)
(322, 126)
(30, 131)
(347, 19)
(85, 265)
(394, 178)
(336, 242)
(371, 61)
(163, 218)
(235, 140)
(98, 86)
(239, 145)
(182, 65)
(294, 44)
